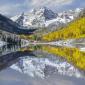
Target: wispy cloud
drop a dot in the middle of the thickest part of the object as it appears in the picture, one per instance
(13, 7)
(10, 7)
(7, 9)
(49, 3)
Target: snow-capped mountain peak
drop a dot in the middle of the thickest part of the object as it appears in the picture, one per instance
(44, 17)
(45, 12)
(36, 17)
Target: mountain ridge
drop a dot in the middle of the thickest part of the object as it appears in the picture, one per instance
(44, 17)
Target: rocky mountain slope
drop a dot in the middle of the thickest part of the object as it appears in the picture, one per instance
(44, 17)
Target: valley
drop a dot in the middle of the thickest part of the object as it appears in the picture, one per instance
(43, 43)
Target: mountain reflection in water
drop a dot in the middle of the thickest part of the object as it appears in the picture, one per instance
(39, 61)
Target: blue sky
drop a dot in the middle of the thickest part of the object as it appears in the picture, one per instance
(14, 7)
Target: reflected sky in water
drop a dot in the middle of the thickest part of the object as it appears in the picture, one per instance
(12, 77)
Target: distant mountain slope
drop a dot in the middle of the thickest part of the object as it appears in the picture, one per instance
(35, 18)
(8, 25)
(44, 17)
(73, 30)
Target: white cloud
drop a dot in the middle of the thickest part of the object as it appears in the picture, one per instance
(13, 9)
(48, 3)
(9, 9)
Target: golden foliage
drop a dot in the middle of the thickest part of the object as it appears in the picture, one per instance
(75, 29)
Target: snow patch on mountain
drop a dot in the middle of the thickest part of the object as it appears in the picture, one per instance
(43, 17)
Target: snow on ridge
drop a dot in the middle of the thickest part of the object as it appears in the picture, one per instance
(43, 17)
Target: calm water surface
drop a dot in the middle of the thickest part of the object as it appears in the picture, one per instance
(35, 65)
